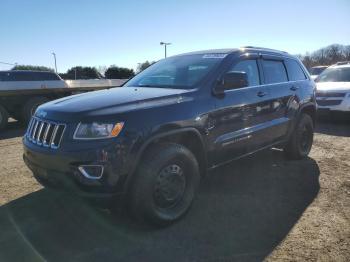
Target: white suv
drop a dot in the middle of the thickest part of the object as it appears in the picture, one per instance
(333, 88)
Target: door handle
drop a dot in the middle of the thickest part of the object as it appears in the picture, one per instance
(294, 88)
(261, 94)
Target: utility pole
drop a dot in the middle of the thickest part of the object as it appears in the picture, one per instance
(54, 56)
(165, 47)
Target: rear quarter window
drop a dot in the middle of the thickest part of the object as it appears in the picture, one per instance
(274, 71)
(295, 72)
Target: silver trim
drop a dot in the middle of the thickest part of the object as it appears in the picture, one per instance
(45, 135)
(86, 174)
(38, 132)
(34, 130)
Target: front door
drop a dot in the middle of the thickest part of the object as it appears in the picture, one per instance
(239, 117)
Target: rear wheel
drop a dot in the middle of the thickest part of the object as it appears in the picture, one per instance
(30, 106)
(4, 116)
(300, 143)
(165, 184)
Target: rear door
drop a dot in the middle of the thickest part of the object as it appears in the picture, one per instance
(240, 115)
(284, 98)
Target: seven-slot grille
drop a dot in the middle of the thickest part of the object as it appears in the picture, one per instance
(45, 133)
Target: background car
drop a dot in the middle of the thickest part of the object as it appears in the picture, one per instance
(333, 88)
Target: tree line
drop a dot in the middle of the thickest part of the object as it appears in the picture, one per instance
(326, 56)
(86, 72)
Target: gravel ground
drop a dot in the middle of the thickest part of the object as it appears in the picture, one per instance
(259, 208)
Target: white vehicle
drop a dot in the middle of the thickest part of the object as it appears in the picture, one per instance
(333, 88)
(316, 71)
(21, 92)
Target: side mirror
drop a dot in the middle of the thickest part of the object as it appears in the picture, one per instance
(231, 80)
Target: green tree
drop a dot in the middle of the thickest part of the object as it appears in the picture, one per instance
(80, 72)
(144, 65)
(115, 72)
(32, 67)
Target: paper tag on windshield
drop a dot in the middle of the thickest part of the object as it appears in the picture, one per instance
(217, 56)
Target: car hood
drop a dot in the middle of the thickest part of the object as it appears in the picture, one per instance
(333, 86)
(109, 102)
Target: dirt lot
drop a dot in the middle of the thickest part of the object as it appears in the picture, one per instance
(259, 208)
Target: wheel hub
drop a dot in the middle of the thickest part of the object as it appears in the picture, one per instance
(170, 186)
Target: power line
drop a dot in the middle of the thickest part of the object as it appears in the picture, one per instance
(8, 63)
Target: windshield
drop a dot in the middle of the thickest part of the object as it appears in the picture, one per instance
(181, 72)
(340, 74)
(317, 70)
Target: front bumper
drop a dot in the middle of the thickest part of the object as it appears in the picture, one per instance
(60, 169)
(334, 103)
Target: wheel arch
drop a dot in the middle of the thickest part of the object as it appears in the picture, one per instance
(311, 110)
(188, 137)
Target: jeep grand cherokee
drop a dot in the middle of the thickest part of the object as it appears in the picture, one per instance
(155, 138)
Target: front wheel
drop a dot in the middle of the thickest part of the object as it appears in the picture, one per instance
(164, 185)
(300, 143)
(30, 107)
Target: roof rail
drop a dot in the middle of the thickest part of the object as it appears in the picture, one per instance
(343, 63)
(264, 48)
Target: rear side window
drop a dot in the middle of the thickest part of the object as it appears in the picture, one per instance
(21, 76)
(250, 67)
(274, 71)
(32, 76)
(295, 72)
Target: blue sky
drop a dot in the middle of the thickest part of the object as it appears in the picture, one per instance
(105, 32)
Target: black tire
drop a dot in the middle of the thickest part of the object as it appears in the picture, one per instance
(30, 106)
(4, 117)
(300, 143)
(164, 185)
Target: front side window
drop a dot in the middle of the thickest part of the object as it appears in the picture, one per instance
(249, 67)
(181, 72)
(274, 72)
(295, 72)
(340, 74)
(45, 76)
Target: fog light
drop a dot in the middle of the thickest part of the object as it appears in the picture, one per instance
(91, 171)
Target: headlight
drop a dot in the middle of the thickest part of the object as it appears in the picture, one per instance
(97, 130)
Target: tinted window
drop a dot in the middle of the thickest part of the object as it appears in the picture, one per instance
(316, 70)
(249, 67)
(32, 76)
(41, 76)
(274, 71)
(21, 76)
(4, 76)
(295, 72)
(340, 74)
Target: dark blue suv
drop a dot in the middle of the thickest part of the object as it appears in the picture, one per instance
(154, 138)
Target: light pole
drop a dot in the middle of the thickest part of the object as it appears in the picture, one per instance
(165, 47)
(54, 56)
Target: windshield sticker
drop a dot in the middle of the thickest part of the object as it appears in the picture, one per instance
(217, 56)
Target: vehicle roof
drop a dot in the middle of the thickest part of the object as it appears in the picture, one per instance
(241, 49)
(319, 66)
(340, 66)
(26, 71)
